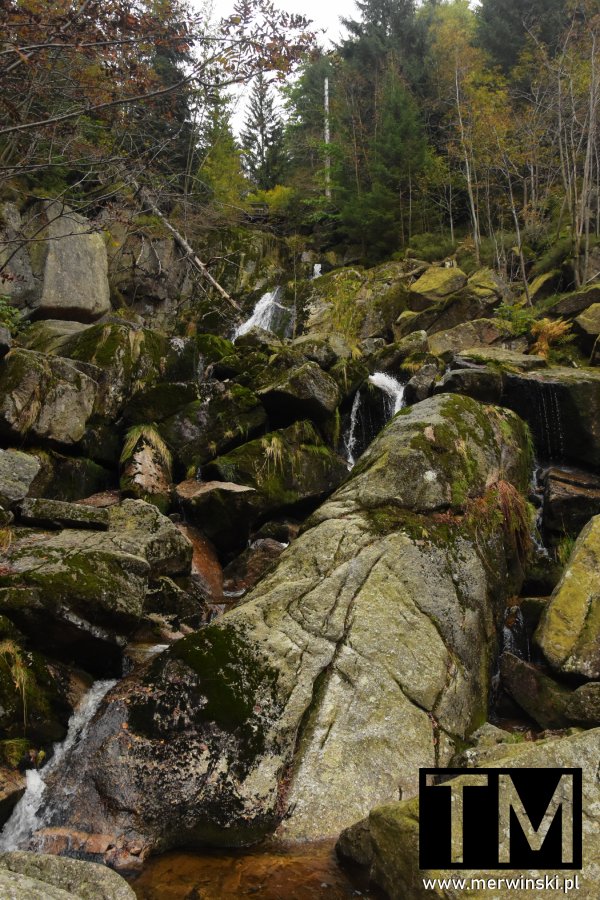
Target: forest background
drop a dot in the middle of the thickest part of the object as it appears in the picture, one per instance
(450, 130)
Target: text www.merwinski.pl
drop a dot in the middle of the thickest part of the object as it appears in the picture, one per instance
(522, 883)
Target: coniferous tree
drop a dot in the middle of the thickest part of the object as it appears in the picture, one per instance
(503, 26)
(263, 138)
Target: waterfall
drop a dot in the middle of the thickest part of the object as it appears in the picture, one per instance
(28, 815)
(317, 268)
(266, 314)
(515, 639)
(393, 389)
(350, 437)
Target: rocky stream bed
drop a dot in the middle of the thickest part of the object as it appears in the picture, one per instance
(276, 572)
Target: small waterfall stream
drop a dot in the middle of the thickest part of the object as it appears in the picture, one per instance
(270, 315)
(393, 389)
(350, 438)
(515, 639)
(28, 815)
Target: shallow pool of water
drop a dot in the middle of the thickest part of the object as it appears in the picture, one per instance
(298, 872)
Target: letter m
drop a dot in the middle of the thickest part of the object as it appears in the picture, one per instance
(508, 799)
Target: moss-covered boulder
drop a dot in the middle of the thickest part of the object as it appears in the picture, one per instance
(576, 302)
(26, 876)
(323, 348)
(446, 313)
(587, 327)
(58, 514)
(391, 357)
(132, 360)
(68, 478)
(358, 303)
(543, 698)
(387, 842)
(501, 359)
(366, 653)
(545, 285)
(159, 402)
(17, 473)
(45, 398)
(285, 468)
(79, 591)
(479, 333)
(48, 335)
(224, 416)
(569, 630)
(435, 284)
(306, 392)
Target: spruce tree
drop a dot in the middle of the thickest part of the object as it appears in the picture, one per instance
(503, 26)
(263, 138)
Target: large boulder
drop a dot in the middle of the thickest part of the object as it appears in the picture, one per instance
(387, 842)
(225, 415)
(562, 407)
(285, 468)
(45, 398)
(446, 313)
(305, 392)
(365, 654)
(569, 629)
(435, 284)
(132, 360)
(75, 274)
(479, 333)
(571, 498)
(17, 473)
(576, 302)
(26, 876)
(80, 591)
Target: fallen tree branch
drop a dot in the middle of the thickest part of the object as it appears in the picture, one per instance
(185, 246)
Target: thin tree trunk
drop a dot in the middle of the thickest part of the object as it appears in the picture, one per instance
(187, 248)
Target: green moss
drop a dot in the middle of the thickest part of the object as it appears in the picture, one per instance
(236, 687)
(12, 751)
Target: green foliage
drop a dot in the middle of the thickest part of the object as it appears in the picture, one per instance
(430, 247)
(263, 138)
(519, 316)
(564, 549)
(10, 316)
(504, 26)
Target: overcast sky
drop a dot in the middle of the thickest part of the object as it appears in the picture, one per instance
(325, 16)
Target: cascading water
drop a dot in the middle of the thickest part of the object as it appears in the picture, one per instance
(317, 268)
(268, 314)
(515, 639)
(350, 438)
(28, 815)
(393, 390)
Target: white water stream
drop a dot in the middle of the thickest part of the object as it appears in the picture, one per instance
(28, 815)
(392, 388)
(350, 437)
(263, 314)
